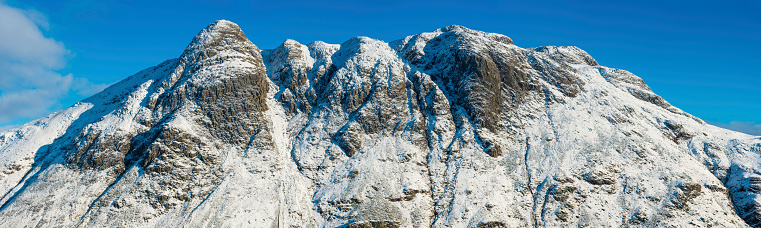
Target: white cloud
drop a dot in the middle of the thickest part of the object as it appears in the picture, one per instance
(750, 127)
(22, 41)
(30, 87)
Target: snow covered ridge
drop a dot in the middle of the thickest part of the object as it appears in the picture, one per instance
(451, 128)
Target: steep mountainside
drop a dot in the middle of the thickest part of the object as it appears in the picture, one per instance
(452, 128)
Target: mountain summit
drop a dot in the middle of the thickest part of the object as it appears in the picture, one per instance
(450, 128)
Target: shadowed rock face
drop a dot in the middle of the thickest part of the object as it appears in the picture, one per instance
(234, 99)
(482, 77)
(231, 101)
(451, 128)
(290, 64)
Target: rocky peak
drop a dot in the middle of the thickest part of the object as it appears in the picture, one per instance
(288, 65)
(362, 49)
(460, 30)
(222, 45)
(290, 52)
(452, 28)
(221, 37)
(569, 54)
(319, 49)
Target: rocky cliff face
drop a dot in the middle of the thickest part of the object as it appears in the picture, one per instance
(452, 128)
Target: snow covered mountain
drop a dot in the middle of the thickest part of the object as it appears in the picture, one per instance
(451, 128)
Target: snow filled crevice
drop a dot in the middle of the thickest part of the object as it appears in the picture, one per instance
(529, 182)
(97, 199)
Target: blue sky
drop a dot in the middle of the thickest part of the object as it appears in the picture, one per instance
(702, 57)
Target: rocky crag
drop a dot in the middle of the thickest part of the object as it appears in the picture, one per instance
(451, 128)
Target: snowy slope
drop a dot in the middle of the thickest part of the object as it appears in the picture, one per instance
(451, 128)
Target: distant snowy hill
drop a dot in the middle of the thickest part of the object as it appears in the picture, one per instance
(451, 128)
